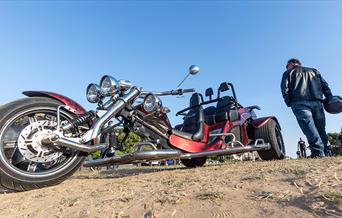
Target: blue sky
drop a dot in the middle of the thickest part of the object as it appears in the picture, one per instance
(62, 46)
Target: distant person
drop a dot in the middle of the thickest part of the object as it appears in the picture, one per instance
(302, 148)
(340, 138)
(303, 89)
(329, 152)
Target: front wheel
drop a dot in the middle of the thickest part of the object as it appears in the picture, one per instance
(271, 133)
(25, 163)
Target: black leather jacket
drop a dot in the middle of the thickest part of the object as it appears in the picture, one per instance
(303, 83)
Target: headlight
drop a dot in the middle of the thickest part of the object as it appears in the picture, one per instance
(151, 103)
(93, 93)
(109, 86)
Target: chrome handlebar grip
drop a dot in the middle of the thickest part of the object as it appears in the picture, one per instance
(188, 90)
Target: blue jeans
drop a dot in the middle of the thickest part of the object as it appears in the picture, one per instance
(311, 119)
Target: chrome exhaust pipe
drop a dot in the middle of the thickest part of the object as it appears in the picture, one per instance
(172, 154)
(55, 139)
(237, 150)
(139, 155)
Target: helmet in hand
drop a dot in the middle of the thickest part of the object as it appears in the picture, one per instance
(333, 105)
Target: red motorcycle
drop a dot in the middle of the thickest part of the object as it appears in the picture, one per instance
(45, 138)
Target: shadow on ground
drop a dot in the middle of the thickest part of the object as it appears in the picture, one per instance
(316, 205)
(126, 172)
(131, 170)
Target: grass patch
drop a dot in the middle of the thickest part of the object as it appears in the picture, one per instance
(253, 177)
(209, 195)
(69, 202)
(333, 195)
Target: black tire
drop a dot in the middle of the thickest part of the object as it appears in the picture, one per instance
(271, 133)
(194, 162)
(12, 176)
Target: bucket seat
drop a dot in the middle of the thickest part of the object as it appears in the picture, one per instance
(193, 124)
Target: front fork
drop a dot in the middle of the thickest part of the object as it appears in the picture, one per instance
(57, 137)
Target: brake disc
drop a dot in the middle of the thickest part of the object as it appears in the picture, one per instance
(29, 142)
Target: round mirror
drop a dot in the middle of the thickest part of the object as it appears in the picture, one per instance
(194, 69)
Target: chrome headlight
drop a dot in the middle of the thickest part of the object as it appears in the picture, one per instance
(109, 86)
(125, 85)
(151, 103)
(93, 93)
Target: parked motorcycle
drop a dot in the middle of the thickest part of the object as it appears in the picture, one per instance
(45, 138)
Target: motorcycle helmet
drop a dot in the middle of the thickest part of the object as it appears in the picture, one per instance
(333, 105)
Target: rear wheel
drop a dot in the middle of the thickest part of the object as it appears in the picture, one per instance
(194, 162)
(25, 163)
(271, 133)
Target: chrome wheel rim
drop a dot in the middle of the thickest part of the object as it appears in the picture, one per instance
(14, 160)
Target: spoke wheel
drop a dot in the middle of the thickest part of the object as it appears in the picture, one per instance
(25, 162)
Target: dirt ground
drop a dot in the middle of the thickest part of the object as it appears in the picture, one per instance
(288, 188)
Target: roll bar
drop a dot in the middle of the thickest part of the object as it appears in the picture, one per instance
(225, 86)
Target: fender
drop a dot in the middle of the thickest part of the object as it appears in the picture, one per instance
(259, 122)
(63, 99)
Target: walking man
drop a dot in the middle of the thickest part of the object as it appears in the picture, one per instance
(303, 89)
(302, 148)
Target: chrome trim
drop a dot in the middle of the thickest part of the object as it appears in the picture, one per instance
(108, 103)
(157, 103)
(112, 89)
(96, 96)
(144, 93)
(259, 142)
(139, 146)
(125, 85)
(112, 111)
(194, 69)
(59, 114)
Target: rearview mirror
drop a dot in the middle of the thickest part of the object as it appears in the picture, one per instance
(194, 69)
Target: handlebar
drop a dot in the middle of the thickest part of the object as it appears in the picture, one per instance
(188, 90)
(181, 91)
(172, 92)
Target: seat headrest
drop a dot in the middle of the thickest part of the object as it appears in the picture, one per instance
(195, 100)
(225, 101)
